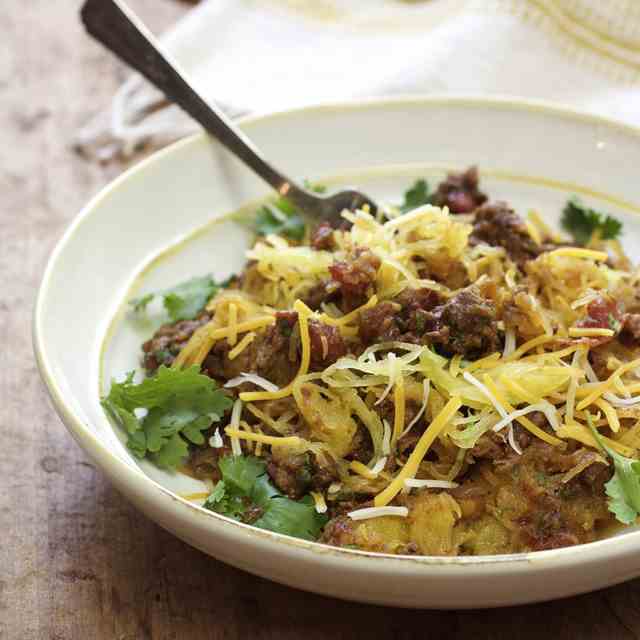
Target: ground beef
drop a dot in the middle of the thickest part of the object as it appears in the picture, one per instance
(603, 313)
(327, 345)
(325, 291)
(380, 323)
(468, 325)
(361, 447)
(630, 334)
(217, 364)
(168, 340)
(277, 349)
(496, 224)
(297, 474)
(460, 192)
(322, 237)
(355, 278)
(408, 318)
(465, 324)
(203, 462)
(292, 475)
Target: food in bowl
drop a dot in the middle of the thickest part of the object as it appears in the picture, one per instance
(442, 378)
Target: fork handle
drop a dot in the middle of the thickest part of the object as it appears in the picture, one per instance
(113, 24)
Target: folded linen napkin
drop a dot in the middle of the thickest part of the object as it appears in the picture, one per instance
(262, 55)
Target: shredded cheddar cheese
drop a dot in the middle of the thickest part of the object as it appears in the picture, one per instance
(241, 346)
(418, 454)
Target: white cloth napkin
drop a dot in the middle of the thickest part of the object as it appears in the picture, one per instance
(262, 55)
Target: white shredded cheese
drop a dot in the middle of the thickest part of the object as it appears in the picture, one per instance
(426, 388)
(509, 418)
(417, 483)
(215, 440)
(236, 412)
(379, 465)
(386, 438)
(610, 397)
(378, 512)
(483, 389)
(392, 372)
(259, 381)
(509, 342)
(512, 440)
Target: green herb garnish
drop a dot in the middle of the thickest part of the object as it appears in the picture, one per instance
(245, 491)
(180, 404)
(416, 196)
(582, 222)
(184, 301)
(624, 488)
(282, 218)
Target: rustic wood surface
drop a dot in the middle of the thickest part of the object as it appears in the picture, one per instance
(76, 560)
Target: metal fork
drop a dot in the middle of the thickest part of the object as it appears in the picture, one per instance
(112, 23)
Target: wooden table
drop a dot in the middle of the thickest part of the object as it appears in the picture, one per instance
(76, 560)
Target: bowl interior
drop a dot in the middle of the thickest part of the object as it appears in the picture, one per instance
(166, 220)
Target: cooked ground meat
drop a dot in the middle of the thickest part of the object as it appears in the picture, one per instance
(327, 290)
(460, 192)
(468, 325)
(380, 323)
(498, 225)
(630, 333)
(322, 237)
(291, 474)
(203, 462)
(297, 474)
(168, 340)
(465, 324)
(603, 313)
(327, 345)
(355, 278)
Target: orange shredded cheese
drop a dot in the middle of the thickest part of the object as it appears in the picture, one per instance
(417, 455)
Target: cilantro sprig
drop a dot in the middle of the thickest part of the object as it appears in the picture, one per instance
(282, 218)
(581, 222)
(245, 491)
(624, 487)
(184, 301)
(180, 404)
(417, 195)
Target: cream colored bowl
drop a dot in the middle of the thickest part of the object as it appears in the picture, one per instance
(533, 155)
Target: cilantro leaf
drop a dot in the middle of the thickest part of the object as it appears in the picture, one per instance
(140, 304)
(281, 219)
(624, 488)
(416, 196)
(245, 489)
(180, 405)
(298, 519)
(184, 301)
(315, 187)
(581, 222)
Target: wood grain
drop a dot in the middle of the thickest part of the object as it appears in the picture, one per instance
(76, 560)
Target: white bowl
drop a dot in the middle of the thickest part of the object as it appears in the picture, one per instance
(533, 155)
